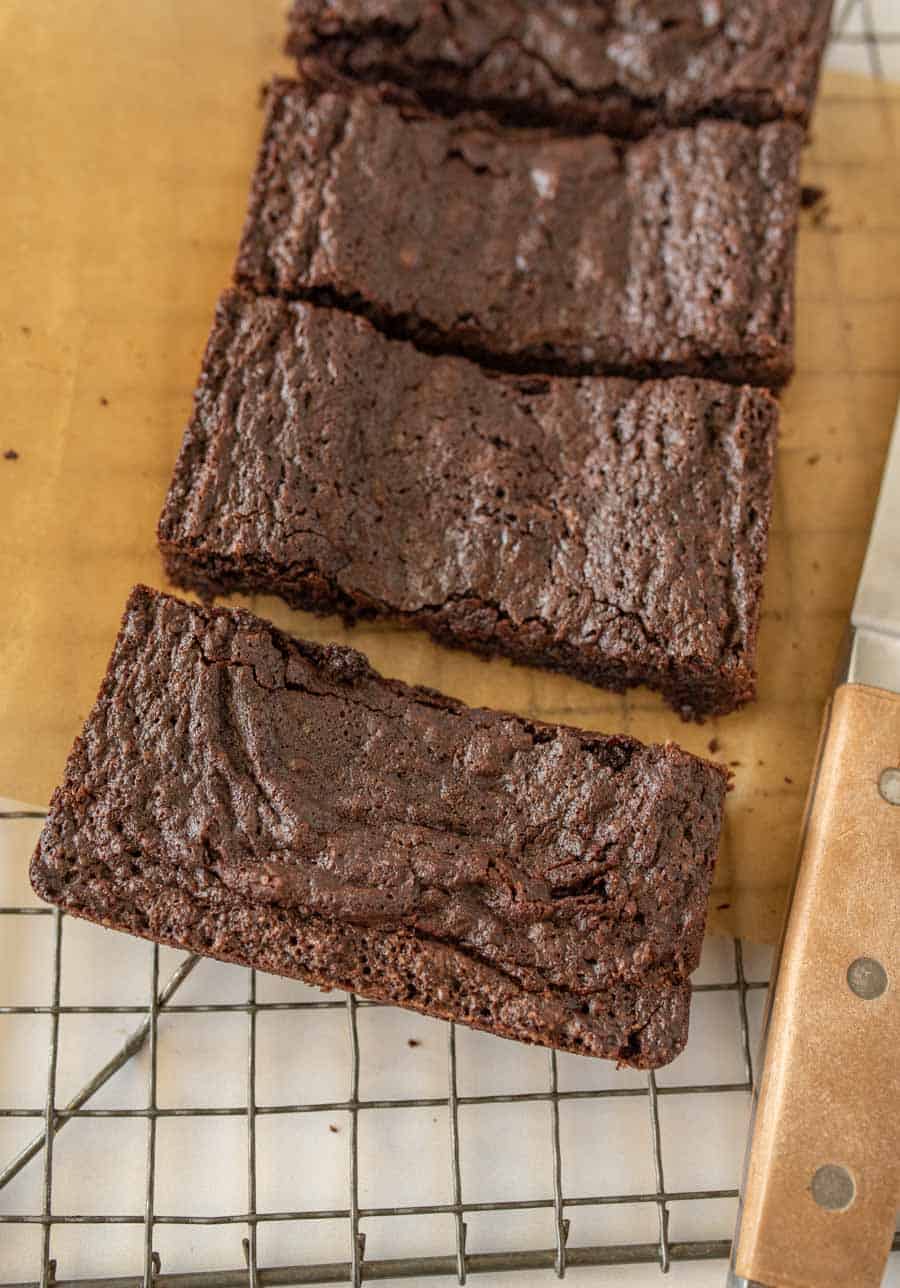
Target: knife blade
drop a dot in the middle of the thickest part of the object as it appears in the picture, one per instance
(822, 1173)
(873, 656)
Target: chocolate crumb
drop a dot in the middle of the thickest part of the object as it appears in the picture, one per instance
(813, 198)
(814, 459)
(104, 402)
(788, 780)
(413, 1042)
(734, 763)
(713, 745)
(333, 1127)
(811, 195)
(10, 454)
(720, 907)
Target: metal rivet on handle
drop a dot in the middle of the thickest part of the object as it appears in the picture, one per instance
(867, 978)
(833, 1187)
(889, 785)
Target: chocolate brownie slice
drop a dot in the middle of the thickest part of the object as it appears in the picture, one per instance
(671, 255)
(582, 65)
(609, 528)
(245, 795)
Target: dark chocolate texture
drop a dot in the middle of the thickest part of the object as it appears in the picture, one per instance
(245, 795)
(623, 66)
(612, 529)
(671, 255)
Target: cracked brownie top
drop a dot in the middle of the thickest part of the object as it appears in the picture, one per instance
(623, 66)
(622, 520)
(671, 255)
(232, 776)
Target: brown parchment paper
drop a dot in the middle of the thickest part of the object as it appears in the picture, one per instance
(127, 137)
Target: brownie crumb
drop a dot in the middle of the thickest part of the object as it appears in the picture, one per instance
(713, 746)
(10, 454)
(333, 1127)
(812, 198)
(814, 459)
(788, 780)
(735, 764)
(104, 402)
(413, 1042)
(720, 907)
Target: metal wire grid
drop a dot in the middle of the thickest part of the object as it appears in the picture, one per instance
(870, 33)
(356, 1268)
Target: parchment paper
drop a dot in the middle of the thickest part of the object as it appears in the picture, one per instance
(127, 137)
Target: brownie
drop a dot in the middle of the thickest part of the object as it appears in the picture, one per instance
(612, 529)
(672, 255)
(575, 64)
(251, 797)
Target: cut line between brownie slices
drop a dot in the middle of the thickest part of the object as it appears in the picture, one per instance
(457, 343)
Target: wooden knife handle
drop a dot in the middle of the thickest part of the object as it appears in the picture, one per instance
(823, 1171)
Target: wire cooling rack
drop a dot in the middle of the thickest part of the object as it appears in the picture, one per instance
(866, 38)
(163, 1003)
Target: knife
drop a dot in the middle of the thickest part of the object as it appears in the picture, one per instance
(822, 1174)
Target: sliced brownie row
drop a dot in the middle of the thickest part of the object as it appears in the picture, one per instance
(463, 381)
(532, 254)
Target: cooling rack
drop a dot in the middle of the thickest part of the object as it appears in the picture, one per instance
(51, 1118)
(866, 38)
